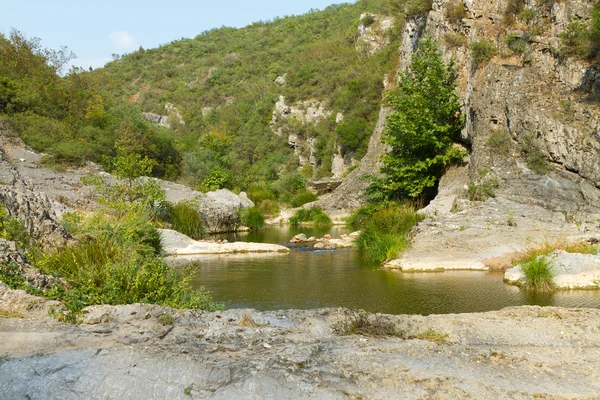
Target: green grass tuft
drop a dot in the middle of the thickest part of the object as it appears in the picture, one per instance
(313, 215)
(185, 218)
(384, 230)
(538, 274)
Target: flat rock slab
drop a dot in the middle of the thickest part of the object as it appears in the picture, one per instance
(151, 352)
(571, 271)
(178, 244)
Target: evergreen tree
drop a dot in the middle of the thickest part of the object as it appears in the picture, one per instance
(425, 120)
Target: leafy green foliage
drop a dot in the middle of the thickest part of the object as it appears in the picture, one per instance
(534, 157)
(118, 260)
(482, 52)
(12, 229)
(583, 41)
(484, 190)
(75, 118)
(314, 215)
(455, 12)
(426, 118)
(384, 229)
(252, 217)
(302, 197)
(516, 43)
(132, 189)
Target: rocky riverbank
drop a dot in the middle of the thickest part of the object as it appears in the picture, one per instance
(178, 244)
(146, 351)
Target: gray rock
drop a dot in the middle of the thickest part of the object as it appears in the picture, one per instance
(571, 271)
(135, 352)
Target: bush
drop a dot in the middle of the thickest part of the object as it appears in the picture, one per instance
(534, 157)
(482, 52)
(117, 260)
(313, 215)
(538, 274)
(418, 7)
(303, 197)
(499, 142)
(252, 217)
(185, 218)
(513, 9)
(483, 191)
(516, 43)
(455, 12)
(384, 230)
(455, 39)
(269, 208)
(258, 192)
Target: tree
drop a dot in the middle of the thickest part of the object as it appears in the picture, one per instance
(133, 188)
(425, 120)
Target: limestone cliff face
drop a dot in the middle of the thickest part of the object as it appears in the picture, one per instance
(535, 97)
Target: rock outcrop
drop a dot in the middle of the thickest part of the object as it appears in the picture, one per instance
(37, 214)
(31, 188)
(145, 351)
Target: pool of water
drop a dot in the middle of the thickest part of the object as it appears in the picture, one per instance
(341, 278)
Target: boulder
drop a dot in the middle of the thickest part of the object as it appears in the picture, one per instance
(299, 238)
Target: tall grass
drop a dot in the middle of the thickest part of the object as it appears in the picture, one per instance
(314, 215)
(538, 274)
(384, 230)
(252, 217)
(118, 260)
(184, 217)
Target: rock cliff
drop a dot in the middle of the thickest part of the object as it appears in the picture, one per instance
(540, 101)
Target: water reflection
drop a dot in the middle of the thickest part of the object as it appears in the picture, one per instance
(341, 278)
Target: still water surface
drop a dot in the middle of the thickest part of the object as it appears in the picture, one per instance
(341, 278)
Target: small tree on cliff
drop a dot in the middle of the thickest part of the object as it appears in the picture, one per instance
(425, 120)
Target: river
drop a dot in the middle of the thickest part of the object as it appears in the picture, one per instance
(341, 278)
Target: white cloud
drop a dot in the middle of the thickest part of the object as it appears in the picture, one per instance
(123, 41)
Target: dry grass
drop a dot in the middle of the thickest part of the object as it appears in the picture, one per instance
(547, 247)
(248, 322)
(8, 314)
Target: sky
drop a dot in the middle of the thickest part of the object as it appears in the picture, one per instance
(94, 30)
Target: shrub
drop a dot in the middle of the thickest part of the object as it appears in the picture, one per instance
(528, 15)
(513, 9)
(534, 157)
(313, 215)
(384, 230)
(516, 43)
(258, 192)
(185, 218)
(538, 274)
(252, 217)
(455, 12)
(303, 197)
(455, 39)
(117, 260)
(12, 229)
(368, 20)
(499, 142)
(483, 191)
(482, 52)
(269, 208)
(418, 7)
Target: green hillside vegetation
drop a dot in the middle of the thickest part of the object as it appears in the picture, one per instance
(222, 82)
(230, 74)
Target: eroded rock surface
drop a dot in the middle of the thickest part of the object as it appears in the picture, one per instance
(144, 351)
